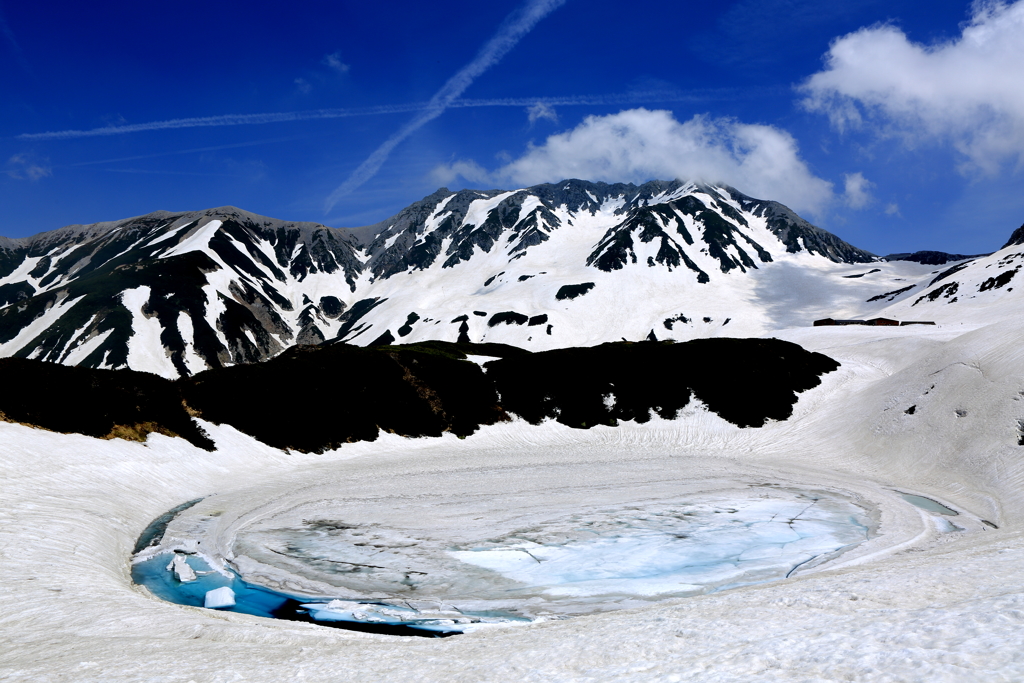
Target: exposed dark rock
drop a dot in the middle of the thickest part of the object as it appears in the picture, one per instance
(406, 329)
(573, 291)
(14, 292)
(1016, 238)
(931, 258)
(947, 290)
(670, 322)
(331, 306)
(873, 270)
(309, 335)
(538, 319)
(176, 286)
(998, 281)
(385, 339)
(461, 350)
(645, 223)
(797, 234)
(352, 316)
(508, 318)
(99, 262)
(12, 254)
(946, 273)
(891, 295)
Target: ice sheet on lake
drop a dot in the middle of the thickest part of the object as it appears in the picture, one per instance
(688, 549)
(581, 561)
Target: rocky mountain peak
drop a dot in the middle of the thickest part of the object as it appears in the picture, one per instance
(178, 292)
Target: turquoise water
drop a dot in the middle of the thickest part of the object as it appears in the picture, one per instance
(262, 602)
(928, 504)
(253, 600)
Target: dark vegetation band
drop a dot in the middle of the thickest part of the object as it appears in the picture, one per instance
(315, 398)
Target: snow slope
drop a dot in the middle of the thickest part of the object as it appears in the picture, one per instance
(915, 603)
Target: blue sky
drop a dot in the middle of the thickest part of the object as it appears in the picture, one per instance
(897, 124)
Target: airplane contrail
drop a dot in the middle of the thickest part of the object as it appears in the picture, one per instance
(517, 25)
(313, 114)
(225, 120)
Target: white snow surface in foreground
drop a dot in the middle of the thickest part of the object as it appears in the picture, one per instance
(915, 603)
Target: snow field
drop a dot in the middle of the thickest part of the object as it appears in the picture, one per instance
(929, 411)
(922, 605)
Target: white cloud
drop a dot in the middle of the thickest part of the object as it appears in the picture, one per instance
(968, 91)
(893, 209)
(857, 193)
(464, 168)
(334, 62)
(637, 145)
(541, 110)
(303, 85)
(21, 167)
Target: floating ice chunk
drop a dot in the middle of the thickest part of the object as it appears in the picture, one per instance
(345, 610)
(219, 598)
(439, 619)
(182, 571)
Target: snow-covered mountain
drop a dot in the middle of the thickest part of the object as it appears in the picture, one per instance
(567, 264)
(976, 290)
(920, 428)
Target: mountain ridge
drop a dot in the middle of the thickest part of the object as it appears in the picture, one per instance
(176, 293)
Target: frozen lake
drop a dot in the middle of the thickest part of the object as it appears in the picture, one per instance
(533, 564)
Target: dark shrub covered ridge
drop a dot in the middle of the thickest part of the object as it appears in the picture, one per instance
(106, 404)
(315, 398)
